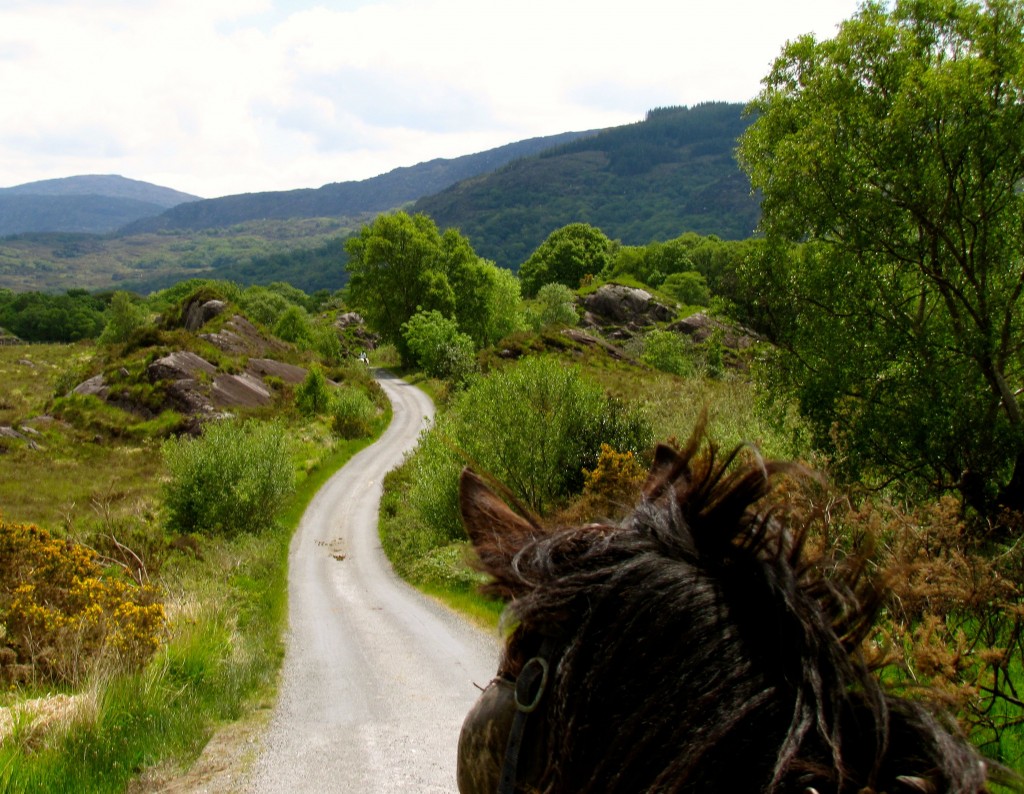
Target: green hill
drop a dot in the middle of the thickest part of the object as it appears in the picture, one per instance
(671, 173)
(345, 199)
(96, 204)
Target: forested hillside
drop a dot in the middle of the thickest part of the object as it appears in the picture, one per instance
(653, 180)
(346, 199)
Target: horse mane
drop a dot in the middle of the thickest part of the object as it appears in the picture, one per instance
(703, 648)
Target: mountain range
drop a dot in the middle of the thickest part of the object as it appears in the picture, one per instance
(670, 173)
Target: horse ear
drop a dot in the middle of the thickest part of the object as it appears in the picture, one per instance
(496, 531)
(666, 468)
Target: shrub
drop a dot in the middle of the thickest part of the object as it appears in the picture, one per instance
(124, 318)
(689, 287)
(293, 326)
(60, 613)
(263, 305)
(325, 341)
(534, 426)
(556, 305)
(352, 413)
(438, 346)
(313, 395)
(233, 478)
(667, 351)
(616, 478)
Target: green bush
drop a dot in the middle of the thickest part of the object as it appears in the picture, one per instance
(264, 306)
(234, 478)
(555, 305)
(352, 413)
(668, 352)
(124, 318)
(293, 326)
(313, 395)
(690, 288)
(534, 426)
(324, 340)
(438, 346)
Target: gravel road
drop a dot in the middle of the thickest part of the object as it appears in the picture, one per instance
(376, 677)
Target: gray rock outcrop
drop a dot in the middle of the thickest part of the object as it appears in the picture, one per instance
(199, 314)
(615, 304)
(700, 327)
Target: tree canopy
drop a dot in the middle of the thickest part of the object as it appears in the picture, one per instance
(401, 264)
(565, 257)
(896, 151)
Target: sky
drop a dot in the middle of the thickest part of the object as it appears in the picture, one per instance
(216, 97)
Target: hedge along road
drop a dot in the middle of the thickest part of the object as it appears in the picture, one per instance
(376, 678)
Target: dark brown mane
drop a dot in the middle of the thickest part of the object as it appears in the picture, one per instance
(701, 649)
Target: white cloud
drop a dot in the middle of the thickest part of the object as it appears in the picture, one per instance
(220, 96)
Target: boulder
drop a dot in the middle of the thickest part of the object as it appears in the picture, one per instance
(239, 336)
(700, 327)
(351, 325)
(583, 338)
(186, 396)
(262, 367)
(615, 304)
(349, 318)
(180, 365)
(96, 386)
(243, 390)
(199, 314)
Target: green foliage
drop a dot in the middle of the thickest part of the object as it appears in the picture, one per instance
(177, 300)
(325, 341)
(488, 300)
(534, 426)
(313, 395)
(352, 413)
(689, 288)
(566, 257)
(400, 265)
(667, 351)
(657, 264)
(124, 317)
(897, 150)
(555, 306)
(293, 326)
(40, 317)
(232, 479)
(394, 271)
(263, 305)
(437, 346)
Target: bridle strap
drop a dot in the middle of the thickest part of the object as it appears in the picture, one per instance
(531, 685)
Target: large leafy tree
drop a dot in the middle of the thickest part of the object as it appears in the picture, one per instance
(395, 269)
(896, 152)
(565, 257)
(400, 265)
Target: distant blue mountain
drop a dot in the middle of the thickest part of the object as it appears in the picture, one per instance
(98, 204)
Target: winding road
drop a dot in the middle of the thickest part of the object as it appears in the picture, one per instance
(376, 678)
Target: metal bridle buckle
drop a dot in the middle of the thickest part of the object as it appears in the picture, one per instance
(533, 677)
